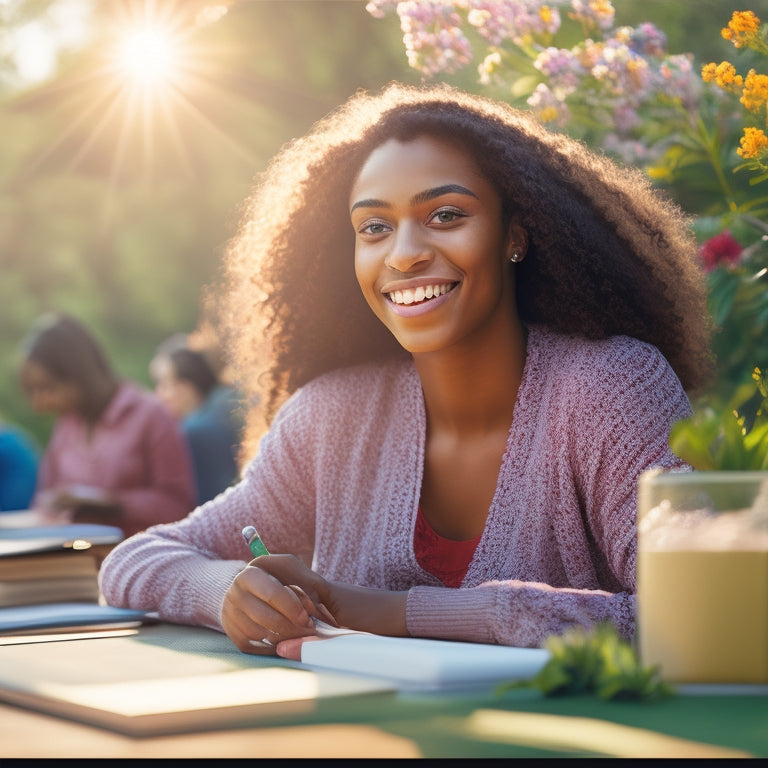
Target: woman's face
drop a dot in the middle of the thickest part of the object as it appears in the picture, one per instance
(178, 395)
(46, 393)
(431, 251)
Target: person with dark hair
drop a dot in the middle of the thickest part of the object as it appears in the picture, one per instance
(115, 455)
(208, 412)
(473, 335)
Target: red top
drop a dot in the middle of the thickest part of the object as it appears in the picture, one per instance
(445, 558)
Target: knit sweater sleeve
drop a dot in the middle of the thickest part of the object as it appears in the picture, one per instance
(183, 569)
(605, 434)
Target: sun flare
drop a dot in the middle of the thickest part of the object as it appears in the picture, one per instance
(153, 86)
(148, 57)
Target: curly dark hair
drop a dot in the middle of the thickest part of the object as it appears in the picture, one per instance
(607, 253)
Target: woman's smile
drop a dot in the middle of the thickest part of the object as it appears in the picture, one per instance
(429, 236)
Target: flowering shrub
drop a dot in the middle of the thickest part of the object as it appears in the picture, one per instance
(729, 428)
(745, 31)
(564, 59)
(738, 274)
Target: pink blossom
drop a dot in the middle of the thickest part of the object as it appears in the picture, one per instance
(719, 250)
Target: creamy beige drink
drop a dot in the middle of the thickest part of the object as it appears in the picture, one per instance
(702, 576)
(703, 615)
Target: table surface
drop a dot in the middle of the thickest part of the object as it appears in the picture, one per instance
(520, 723)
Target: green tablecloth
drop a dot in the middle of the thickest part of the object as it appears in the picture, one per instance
(519, 723)
(527, 724)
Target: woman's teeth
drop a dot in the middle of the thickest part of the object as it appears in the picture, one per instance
(414, 295)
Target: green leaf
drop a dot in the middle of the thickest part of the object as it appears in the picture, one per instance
(733, 437)
(593, 661)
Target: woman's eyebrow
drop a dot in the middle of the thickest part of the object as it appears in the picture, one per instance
(430, 194)
(370, 202)
(419, 197)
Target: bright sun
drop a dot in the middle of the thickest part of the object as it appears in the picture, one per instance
(149, 57)
(153, 82)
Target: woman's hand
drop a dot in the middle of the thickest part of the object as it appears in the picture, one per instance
(274, 598)
(361, 608)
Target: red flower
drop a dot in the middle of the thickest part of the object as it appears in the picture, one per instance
(720, 249)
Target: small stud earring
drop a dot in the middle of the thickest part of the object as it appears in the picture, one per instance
(515, 257)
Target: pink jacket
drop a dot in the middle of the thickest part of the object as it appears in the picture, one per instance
(339, 475)
(136, 452)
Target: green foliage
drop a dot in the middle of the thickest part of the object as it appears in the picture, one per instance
(597, 661)
(738, 299)
(119, 214)
(734, 437)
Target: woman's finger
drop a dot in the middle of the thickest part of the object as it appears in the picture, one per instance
(291, 649)
(241, 630)
(315, 610)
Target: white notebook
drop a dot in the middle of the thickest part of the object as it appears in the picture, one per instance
(421, 664)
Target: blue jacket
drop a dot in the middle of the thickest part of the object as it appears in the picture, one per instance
(213, 433)
(19, 458)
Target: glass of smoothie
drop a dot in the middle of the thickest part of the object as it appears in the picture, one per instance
(702, 575)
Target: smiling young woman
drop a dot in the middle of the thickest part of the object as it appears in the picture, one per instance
(470, 336)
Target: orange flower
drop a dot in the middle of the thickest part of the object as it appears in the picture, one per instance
(755, 93)
(742, 29)
(724, 75)
(753, 143)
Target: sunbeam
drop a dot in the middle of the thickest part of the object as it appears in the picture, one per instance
(139, 99)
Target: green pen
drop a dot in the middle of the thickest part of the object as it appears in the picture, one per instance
(254, 542)
(256, 545)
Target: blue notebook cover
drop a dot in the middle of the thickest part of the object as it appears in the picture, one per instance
(47, 616)
(50, 538)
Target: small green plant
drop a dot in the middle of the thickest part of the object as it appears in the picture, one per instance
(594, 661)
(731, 438)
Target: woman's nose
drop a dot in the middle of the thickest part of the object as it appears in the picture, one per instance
(410, 247)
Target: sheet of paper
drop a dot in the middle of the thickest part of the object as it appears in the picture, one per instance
(423, 664)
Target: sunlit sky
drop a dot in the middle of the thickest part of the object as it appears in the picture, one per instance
(146, 91)
(36, 45)
(146, 39)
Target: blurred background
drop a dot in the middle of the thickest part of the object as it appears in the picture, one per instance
(132, 130)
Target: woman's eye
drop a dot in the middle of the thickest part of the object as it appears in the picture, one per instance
(373, 228)
(447, 215)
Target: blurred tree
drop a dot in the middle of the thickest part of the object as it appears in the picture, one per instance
(116, 207)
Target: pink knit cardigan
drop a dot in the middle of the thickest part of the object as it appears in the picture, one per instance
(339, 476)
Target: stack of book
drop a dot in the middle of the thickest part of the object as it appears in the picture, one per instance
(52, 564)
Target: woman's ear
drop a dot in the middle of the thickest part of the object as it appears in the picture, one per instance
(517, 243)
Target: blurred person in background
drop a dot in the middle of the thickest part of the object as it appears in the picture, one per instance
(115, 455)
(19, 458)
(208, 410)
